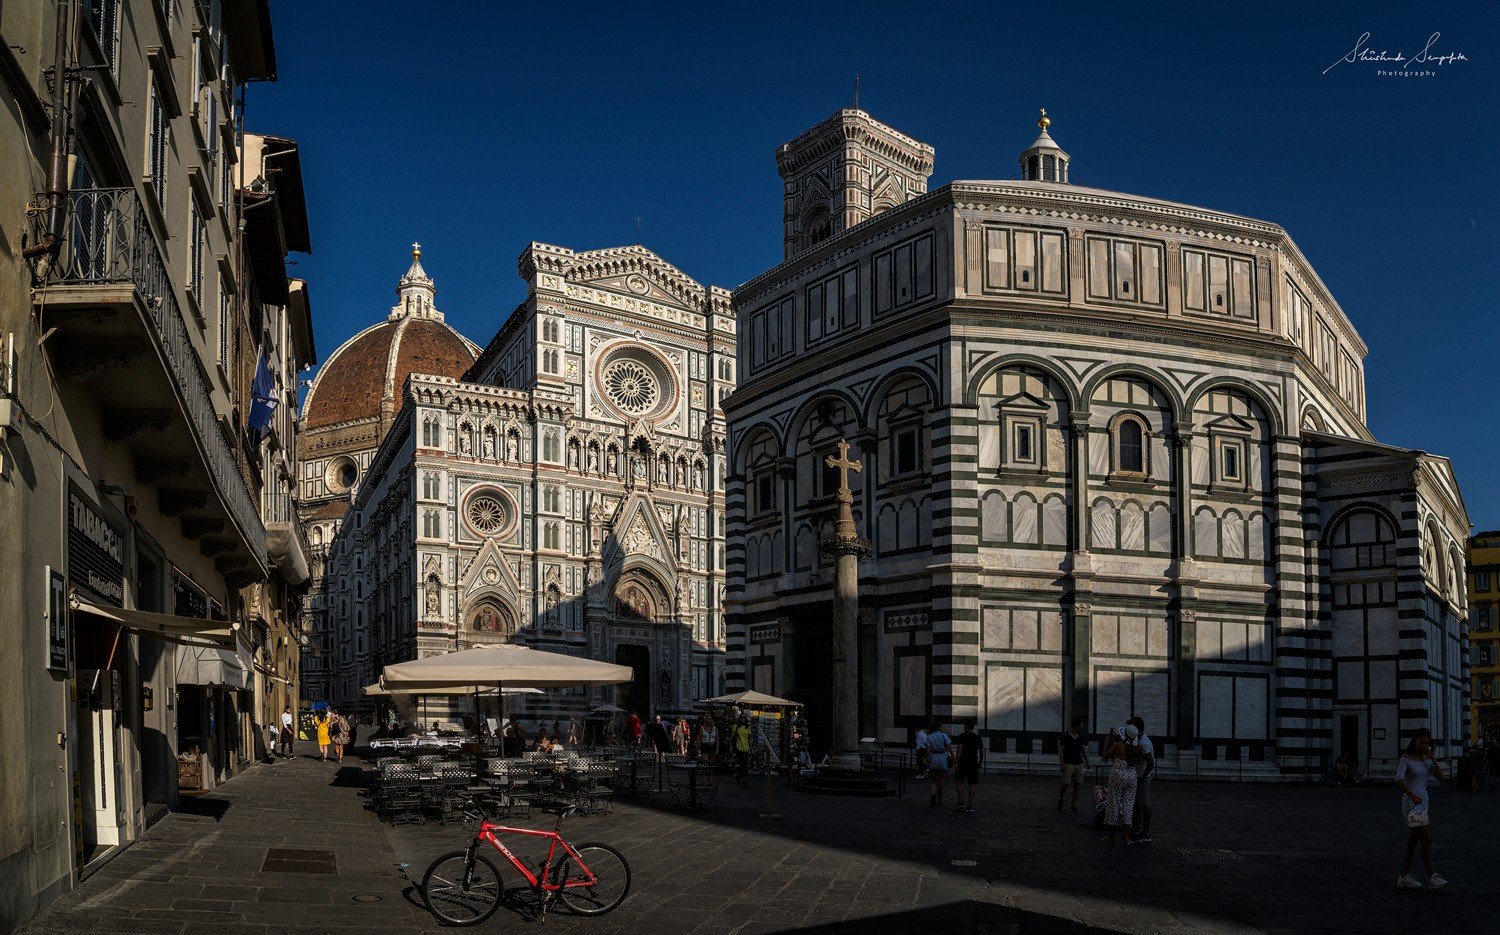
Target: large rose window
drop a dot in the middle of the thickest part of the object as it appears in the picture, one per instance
(631, 386)
(636, 383)
(488, 513)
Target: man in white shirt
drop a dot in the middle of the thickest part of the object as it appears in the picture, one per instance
(921, 752)
(288, 733)
(1145, 768)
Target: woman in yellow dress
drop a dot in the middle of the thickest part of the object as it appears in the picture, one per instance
(323, 735)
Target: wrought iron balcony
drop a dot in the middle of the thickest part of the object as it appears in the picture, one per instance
(109, 292)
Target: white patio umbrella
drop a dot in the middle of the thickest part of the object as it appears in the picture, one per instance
(753, 699)
(378, 691)
(502, 665)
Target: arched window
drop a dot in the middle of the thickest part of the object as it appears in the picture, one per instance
(1131, 447)
(819, 227)
(549, 447)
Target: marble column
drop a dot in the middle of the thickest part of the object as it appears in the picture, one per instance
(847, 547)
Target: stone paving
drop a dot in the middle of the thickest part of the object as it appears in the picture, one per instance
(1227, 858)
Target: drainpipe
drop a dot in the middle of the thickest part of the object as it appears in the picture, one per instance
(57, 162)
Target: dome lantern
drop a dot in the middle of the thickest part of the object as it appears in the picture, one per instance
(1044, 160)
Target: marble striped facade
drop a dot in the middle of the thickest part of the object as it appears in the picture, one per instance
(1139, 435)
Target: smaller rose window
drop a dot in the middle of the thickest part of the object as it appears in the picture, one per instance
(631, 386)
(487, 514)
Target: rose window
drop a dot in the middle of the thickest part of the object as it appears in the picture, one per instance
(487, 514)
(632, 386)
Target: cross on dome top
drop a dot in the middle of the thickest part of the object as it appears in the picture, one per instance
(415, 291)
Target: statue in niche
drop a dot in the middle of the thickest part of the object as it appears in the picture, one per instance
(434, 596)
(614, 462)
(489, 444)
(465, 440)
(637, 467)
(697, 476)
(593, 458)
(573, 456)
(512, 446)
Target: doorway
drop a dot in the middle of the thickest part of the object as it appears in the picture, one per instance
(635, 695)
(811, 681)
(1349, 740)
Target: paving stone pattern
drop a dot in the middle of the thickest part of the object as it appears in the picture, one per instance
(1227, 858)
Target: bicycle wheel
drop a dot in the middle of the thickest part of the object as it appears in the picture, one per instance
(611, 880)
(455, 902)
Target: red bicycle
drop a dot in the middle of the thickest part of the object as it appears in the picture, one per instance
(465, 887)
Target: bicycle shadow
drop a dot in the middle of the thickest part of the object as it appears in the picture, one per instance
(519, 900)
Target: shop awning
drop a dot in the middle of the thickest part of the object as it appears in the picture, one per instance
(188, 630)
(211, 667)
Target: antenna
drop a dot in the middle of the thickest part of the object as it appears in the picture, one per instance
(637, 230)
(856, 92)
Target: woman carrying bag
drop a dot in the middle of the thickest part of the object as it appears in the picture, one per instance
(1416, 764)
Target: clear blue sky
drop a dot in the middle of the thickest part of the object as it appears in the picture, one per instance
(478, 127)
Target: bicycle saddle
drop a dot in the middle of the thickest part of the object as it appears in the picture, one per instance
(561, 811)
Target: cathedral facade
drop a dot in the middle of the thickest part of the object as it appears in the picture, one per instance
(1115, 461)
(564, 491)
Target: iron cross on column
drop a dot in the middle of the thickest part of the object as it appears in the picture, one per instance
(844, 466)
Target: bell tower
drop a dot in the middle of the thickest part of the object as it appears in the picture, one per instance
(845, 170)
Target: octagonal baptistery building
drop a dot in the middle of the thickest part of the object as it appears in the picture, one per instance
(1114, 462)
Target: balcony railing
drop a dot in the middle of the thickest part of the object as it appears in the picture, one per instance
(110, 242)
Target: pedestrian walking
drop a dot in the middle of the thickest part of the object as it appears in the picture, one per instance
(353, 731)
(939, 748)
(708, 740)
(572, 731)
(1072, 762)
(969, 763)
(288, 732)
(323, 739)
(921, 752)
(682, 734)
(1120, 801)
(339, 731)
(1145, 770)
(740, 735)
(633, 730)
(1412, 772)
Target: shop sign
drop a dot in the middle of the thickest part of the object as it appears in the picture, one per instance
(96, 552)
(57, 620)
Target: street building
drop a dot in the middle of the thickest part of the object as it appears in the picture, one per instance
(1114, 460)
(563, 490)
(1484, 638)
(151, 344)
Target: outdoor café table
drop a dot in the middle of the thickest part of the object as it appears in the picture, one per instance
(692, 770)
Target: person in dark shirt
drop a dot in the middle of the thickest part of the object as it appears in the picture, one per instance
(1073, 760)
(970, 760)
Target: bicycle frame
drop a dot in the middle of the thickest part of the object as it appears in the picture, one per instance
(489, 833)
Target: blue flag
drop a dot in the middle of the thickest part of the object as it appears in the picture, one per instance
(262, 398)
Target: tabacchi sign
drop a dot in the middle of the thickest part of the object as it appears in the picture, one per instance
(96, 552)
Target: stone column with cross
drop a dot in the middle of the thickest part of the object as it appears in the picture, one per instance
(846, 547)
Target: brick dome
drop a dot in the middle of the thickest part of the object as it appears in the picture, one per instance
(363, 378)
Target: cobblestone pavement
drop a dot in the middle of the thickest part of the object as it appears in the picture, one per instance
(1226, 858)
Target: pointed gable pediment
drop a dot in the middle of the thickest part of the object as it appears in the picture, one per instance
(636, 271)
(488, 570)
(637, 530)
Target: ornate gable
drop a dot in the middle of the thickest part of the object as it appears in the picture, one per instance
(637, 530)
(634, 270)
(489, 570)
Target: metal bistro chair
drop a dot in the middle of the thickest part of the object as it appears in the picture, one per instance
(708, 787)
(594, 790)
(402, 794)
(454, 782)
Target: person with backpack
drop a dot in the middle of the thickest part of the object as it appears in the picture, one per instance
(1120, 749)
